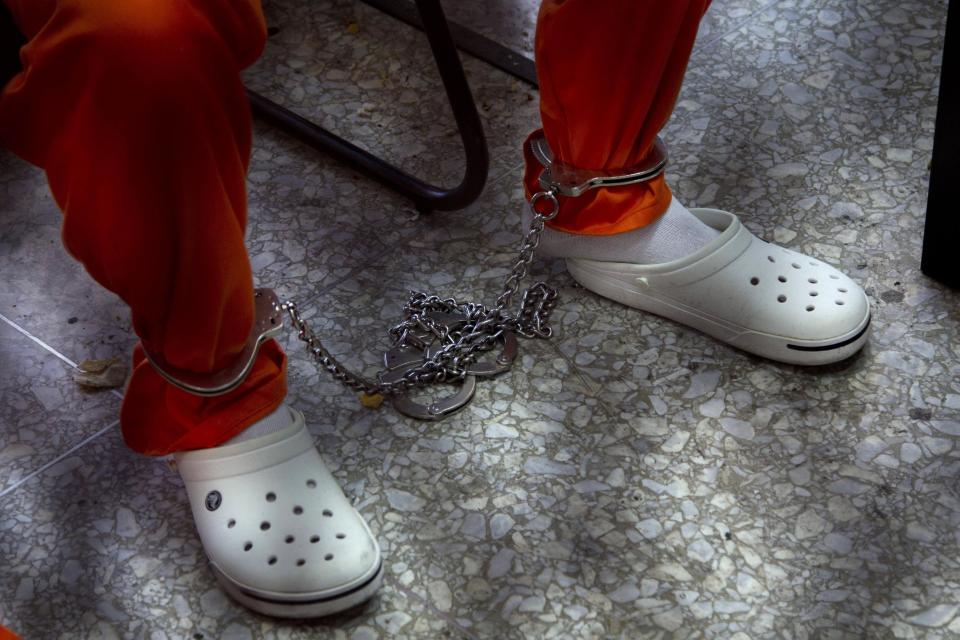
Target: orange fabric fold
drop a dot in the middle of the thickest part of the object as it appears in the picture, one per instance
(194, 422)
(137, 113)
(609, 75)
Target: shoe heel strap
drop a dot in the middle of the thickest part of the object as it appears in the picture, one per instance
(246, 457)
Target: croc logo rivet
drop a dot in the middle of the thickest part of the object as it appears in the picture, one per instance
(213, 500)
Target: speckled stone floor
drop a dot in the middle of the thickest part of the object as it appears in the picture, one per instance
(630, 478)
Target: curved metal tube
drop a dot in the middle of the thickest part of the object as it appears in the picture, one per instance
(426, 197)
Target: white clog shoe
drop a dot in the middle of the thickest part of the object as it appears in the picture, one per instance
(753, 295)
(282, 538)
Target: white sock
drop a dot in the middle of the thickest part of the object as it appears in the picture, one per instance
(279, 419)
(675, 234)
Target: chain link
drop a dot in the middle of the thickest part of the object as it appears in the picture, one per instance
(449, 349)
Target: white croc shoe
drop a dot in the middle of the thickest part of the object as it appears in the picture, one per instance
(281, 536)
(753, 295)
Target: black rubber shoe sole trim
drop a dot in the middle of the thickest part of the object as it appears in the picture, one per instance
(828, 347)
(291, 603)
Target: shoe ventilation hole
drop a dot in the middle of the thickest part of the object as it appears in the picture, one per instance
(842, 290)
(771, 259)
(813, 264)
(289, 539)
(272, 560)
(264, 525)
(812, 280)
(328, 513)
(248, 546)
(301, 562)
(297, 510)
(781, 298)
(810, 307)
(328, 557)
(314, 539)
(311, 484)
(840, 302)
(795, 265)
(754, 281)
(231, 523)
(833, 277)
(782, 278)
(813, 294)
(341, 536)
(271, 497)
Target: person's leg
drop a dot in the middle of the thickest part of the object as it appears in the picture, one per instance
(137, 113)
(609, 74)
(146, 146)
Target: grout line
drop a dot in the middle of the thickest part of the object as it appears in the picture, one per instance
(63, 455)
(73, 365)
(38, 341)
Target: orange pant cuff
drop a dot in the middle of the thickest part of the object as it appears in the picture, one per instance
(603, 211)
(158, 418)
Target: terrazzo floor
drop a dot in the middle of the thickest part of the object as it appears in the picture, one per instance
(630, 478)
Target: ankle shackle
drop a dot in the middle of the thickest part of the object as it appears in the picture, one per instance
(268, 322)
(567, 180)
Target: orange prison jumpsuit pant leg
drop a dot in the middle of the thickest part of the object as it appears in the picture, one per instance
(136, 111)
(609, 73)
(6, 634)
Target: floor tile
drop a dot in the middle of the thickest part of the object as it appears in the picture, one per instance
(45, 413)
(511, 23)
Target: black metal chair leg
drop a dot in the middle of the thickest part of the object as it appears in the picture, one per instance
(942, 226)
(425, 196)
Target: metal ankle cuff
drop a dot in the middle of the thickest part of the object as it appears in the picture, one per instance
(573, 181)
(268, 322)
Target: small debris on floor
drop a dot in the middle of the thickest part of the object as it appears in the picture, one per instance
(101, 374)
(371, 401)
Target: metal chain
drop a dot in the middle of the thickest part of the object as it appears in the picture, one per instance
(449, 349)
